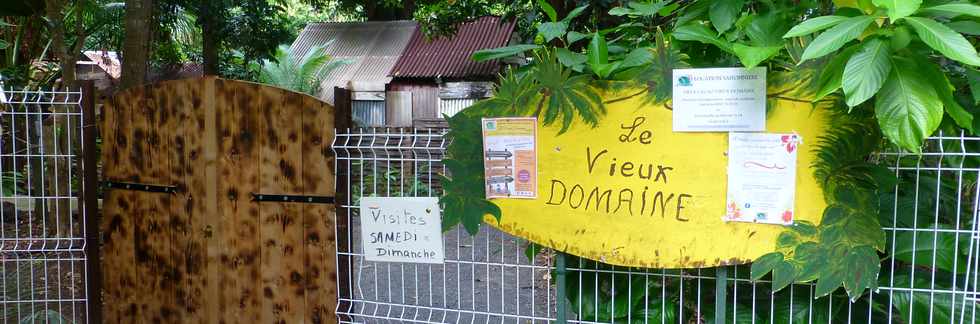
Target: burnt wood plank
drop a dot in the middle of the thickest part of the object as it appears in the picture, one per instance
(318, 220)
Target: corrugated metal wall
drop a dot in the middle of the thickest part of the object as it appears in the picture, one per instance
(450, 107)
(425, 98)
(368, 113)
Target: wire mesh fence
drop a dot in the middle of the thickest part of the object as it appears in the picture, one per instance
(929, 274)
(42, 233)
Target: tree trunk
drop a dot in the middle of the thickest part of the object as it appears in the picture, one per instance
(56, 211)
(136, 45)
(209, 36)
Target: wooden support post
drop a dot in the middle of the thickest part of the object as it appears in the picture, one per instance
(90, 203)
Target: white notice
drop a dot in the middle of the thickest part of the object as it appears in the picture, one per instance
(402, 229)
(719, 100)
(761, 177)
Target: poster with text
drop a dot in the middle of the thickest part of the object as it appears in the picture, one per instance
(761, 177)
(719, 100)
(510, 157)
(402, 229)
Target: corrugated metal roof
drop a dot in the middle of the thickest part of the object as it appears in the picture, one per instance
(107, 60)
(450, 56)
(372, 47)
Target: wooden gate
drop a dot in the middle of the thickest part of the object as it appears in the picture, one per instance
(187, 241)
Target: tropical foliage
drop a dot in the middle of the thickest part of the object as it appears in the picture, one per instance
(300, 72)
(889, 73)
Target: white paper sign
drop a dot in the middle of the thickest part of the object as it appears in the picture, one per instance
(719, 100)
(761, 177)
(402, 229)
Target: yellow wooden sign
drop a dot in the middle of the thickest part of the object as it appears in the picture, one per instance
(631, 192)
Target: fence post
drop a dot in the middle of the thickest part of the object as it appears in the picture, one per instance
(560, 278)
(721, 293)
(90, 203)
(343, 113)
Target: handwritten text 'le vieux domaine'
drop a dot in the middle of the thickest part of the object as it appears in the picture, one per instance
(649, 199)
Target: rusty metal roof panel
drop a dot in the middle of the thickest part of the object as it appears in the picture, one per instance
(372, 48)
(450, 56)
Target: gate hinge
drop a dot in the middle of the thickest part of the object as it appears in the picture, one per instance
(140, 187)
(292, 198)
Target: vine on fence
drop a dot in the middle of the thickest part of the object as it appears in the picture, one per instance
(887, 72)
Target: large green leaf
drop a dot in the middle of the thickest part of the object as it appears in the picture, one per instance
(953, 10)
(944, 89)
(548, 10)
(552, 30)
(944, 40)
(574, 13)
(573, 60)
(866, 71)
(637, 57)
(700, 33)
(973, 79)
(753, 55)
(724, 13)
(834, 38)
(898, 9)
(832, 73)
(814, 25)
(767, 30)
(907, 107)
(598, 52)
(968, 27)
(929, 249)
(638, 9)
(501, 52)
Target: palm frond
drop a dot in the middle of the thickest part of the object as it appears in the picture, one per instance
(301, 74)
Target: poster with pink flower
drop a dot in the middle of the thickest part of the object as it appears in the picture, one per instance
(762, 177)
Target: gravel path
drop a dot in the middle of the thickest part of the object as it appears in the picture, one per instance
(486, 279)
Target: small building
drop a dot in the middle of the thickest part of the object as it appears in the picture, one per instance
(372, 48)
(441, 77)
(397, 77)
(102, 67)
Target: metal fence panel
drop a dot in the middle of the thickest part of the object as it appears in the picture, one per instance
(931, 226)
(42, 233)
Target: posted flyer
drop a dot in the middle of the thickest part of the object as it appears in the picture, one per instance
(510, 157)
(719, 100)
(761, 177)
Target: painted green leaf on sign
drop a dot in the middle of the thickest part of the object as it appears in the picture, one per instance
(783, 275)
(835, 38)
(944, 40)
(866, 71)
(762, 265)
(861, 264)
(907, 108)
